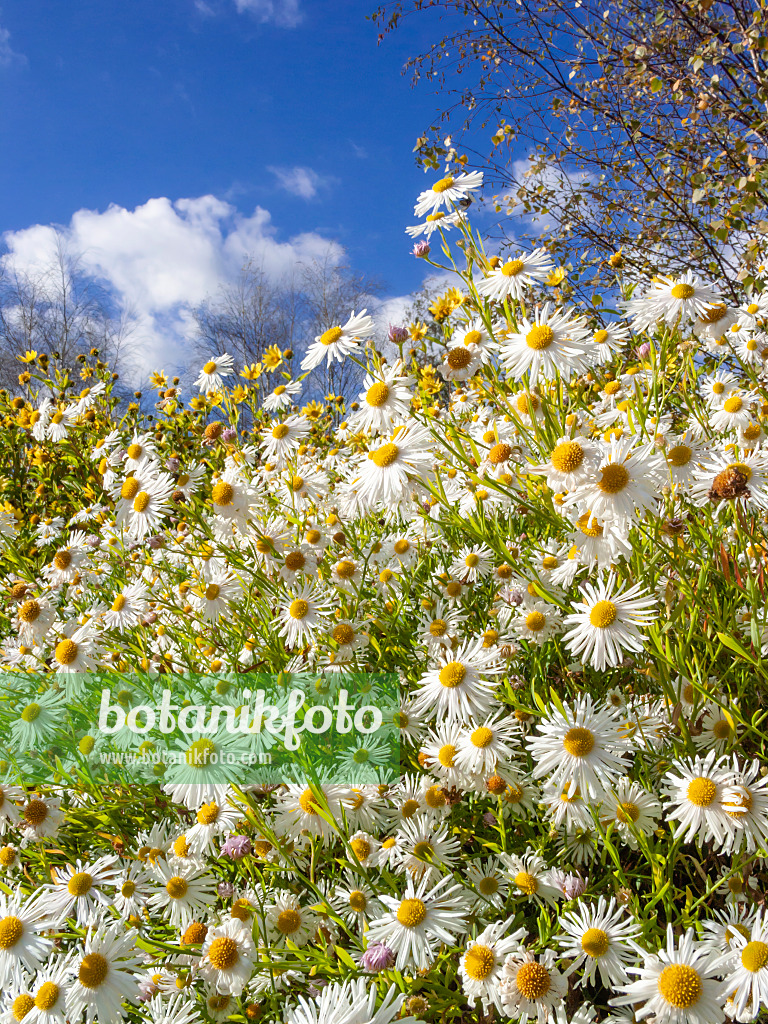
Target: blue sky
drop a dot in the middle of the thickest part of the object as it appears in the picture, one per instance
(288, 106)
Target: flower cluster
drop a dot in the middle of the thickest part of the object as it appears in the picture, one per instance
(548, 521)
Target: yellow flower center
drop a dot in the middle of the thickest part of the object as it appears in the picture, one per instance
(680, 985)
(358, 901)
(141, 501)
(299, 608)
(47, 995)
(721, 729)
(578, 741)
(533, 981)
(567, 456)
(702, 791)
(307, 802)
(21, 1006)
(384, 456)
(133, 451)
(526, 883)
(603, 614)
(93, 970)
(31, 712)
(288, 922)
(11, 930)
(452, 675)
(482, 737)
(212, 591)
(222, 493)
(127, 889)
(679, 455)
(80, 883)
(223, 953)
(754, 956)
(361, 847)
(479, 961)
(423, 850)
(512, 268)
(600, 337)
(411, 913)
(343, 633)
(35, 814)
(733, 404)
(377, 394)
(589, 526)
(194, 934)
(66, 652)
(683, 291)
(594, 942)
(711, 316)
(409, 808)
(459, 358)
(176, 887)
(29, 611)
(446, 754)
(627, 812)
(199, 753)
(331, 335)
(208, 814)
(62, 560)
(540, 337)
(613, 478)
(294, 561)
(181, 847)
(210, 367)
(346, 569)
(499, 453)
(443, 185)
(535, 621)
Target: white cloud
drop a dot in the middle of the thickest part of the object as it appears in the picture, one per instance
(300, 181)
(285, 13)
(162, 259)
(8, 56)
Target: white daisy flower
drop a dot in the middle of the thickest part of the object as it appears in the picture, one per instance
(419, 922)
(455, 687)
(531, 987)
(448, 192)
(677, 985)
(553, 343)
(605, 623)
(288, 921)
(600, 938)
(105, 976)
(581, 748)
(696, 791)
(227, 957)
(338, 342)
(481, 967)
(631, 809)
(384, 401)
(515, 276)
(211, 376)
